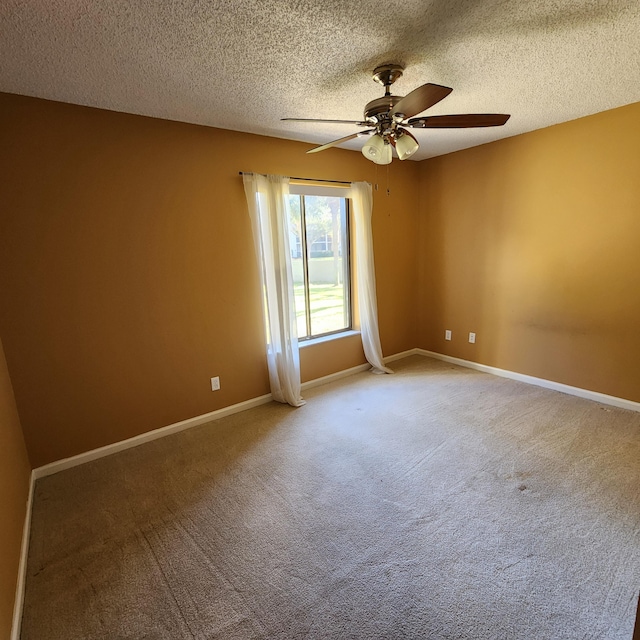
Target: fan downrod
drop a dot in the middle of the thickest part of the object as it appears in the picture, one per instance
(385, 75)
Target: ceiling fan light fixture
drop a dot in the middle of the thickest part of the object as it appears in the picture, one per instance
(377, 150)
(387, 154)
(389, 117)
(406, 145)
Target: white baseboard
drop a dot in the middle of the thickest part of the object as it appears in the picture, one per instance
(614, 401)
(74, 461)
(359, 369)
(94, 454)
(335, 376)
(403, 354)
(67, 463)
(22, 567)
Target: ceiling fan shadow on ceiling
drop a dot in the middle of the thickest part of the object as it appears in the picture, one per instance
(389, 118)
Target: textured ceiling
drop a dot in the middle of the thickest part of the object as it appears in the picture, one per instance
(244, 64)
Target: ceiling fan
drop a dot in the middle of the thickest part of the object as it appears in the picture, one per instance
(390, 117)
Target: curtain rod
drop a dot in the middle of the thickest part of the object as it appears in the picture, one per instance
(296, 178)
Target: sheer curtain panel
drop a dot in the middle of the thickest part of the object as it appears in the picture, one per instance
(362, 204)
(267, 201)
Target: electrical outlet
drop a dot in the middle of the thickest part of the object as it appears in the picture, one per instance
(215, 383)
(472, 338)
(447, 334)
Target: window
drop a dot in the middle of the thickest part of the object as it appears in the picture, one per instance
(319, 223)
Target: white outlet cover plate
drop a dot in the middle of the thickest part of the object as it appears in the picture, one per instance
(215, 383)
(472, 338)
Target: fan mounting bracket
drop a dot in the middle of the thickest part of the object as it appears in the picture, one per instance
(387, 74)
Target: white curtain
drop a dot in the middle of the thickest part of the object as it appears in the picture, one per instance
(362, 200)
(267, 200)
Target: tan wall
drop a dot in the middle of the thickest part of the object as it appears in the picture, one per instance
(533, 242)
(127, 263)
(14, 488)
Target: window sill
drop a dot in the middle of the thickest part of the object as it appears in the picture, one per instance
(333, 336)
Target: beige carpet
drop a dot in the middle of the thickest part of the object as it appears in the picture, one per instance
(435, 503)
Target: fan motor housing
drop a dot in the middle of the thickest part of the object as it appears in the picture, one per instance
(380, 106)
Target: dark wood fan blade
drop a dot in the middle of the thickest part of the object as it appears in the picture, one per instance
(340, 141)
(420, 99)
(461, 121)
(356, 122)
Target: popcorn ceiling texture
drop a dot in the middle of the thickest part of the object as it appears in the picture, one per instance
(244, 64)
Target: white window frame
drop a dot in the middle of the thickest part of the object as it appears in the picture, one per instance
(334, 191)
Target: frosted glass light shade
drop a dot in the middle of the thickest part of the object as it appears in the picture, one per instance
(387, 154)
(377, 150)
(406, 145)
